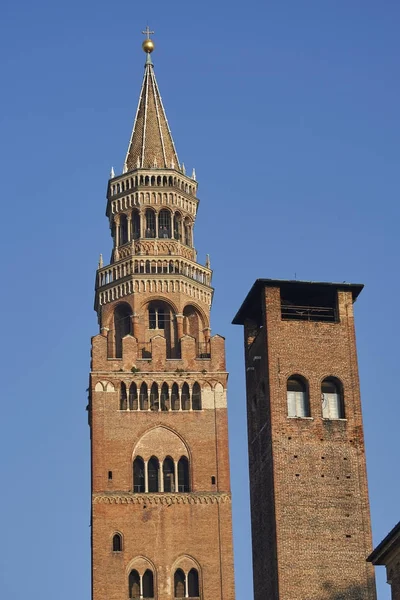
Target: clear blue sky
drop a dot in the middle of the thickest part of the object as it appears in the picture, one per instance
(289, 111)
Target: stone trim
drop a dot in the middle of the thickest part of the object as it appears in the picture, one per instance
(161, 498)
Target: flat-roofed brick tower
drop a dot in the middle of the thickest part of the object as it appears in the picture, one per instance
(309, 499)
(161, 502)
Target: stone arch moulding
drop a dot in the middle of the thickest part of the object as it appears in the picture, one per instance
(141, 564)
(111, 308)
(104, 386)
(185, 562)
(203, 316)
(157, 298)
(161, 441)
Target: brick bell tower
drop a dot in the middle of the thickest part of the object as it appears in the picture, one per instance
(311, 530)
(161, 502)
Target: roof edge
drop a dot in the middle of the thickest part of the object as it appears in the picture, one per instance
(377, 556)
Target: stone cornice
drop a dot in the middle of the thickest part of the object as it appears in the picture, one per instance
(162, 499)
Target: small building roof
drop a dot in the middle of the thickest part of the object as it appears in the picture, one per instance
(251, 303)
(388, 544)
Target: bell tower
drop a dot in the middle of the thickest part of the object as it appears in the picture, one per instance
(161, 502)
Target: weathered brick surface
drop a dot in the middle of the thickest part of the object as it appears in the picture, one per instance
(309, 500)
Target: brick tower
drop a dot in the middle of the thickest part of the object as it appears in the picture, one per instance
(161, 503)
(309, 499)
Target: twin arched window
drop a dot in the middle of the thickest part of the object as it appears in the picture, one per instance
(154, 476)
(141, 586)
(298, 399)
(186, 585)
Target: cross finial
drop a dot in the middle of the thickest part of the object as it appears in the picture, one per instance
(147, 32)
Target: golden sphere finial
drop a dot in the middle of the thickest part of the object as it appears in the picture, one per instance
(148, 45)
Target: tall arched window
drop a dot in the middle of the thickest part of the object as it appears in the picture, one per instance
(193, 584)
(122, 326)
(165, 403)
(164, 224)
(117, 542)
(177, 226)
(148, 584)
(175, 397)
(152, 469)
(179, 584)
(196, 397)
(138, 475)
(183, 475)
(123, 404)
(169, 475)
(134, 585)
(123, 228)
(143, 397)
(157, 316)
(185, 397)
(150, 231)
(135, 225)
(154, 403)
(297, 397)
(133, 397)
(188, 233)
(332, 399)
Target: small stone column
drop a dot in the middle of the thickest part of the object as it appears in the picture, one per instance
(160, 476)
(116, 221)
(176, 475)
(129, 225)
(146, 477)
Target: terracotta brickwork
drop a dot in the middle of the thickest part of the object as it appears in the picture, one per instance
(161, 501)
(309, 499)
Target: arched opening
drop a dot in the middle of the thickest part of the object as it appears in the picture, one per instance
(297, 397)
(332, 399)
(117, 542)
(175, 397)
(123, 230)
(177, 226)
(133, 397)
(161, 318)
(143, 397)
(138, 475)
(134, 585)
(148, 584)
(164, 224)
(193, 584)
(123, 401)
(191, 322)
(152, 470)
(154, 401)
(183, 475)
(122, 326)
(185, 397)
(188, 233)
(150, 223)
(164, 399)
(179, 584)
(169, 475)
(135, 225)
(196, 396)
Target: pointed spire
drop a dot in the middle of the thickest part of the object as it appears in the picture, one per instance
(112, 173)
(194, 174)
(183, 169)
(151, 137)
(125, 169)
(208, 262)
(101, 262)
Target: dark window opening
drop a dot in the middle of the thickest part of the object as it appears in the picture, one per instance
(109, 475)
(213, 480)
(169, 475)
(164, 224)
(183, 475)
(301, 303)
(196, 397)
(193, 584)
(134, 585)
(153, 469)
(138, 476)
(148, 584)
(117, 543)
(185, 398)
(150, 231)
(179, 584)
